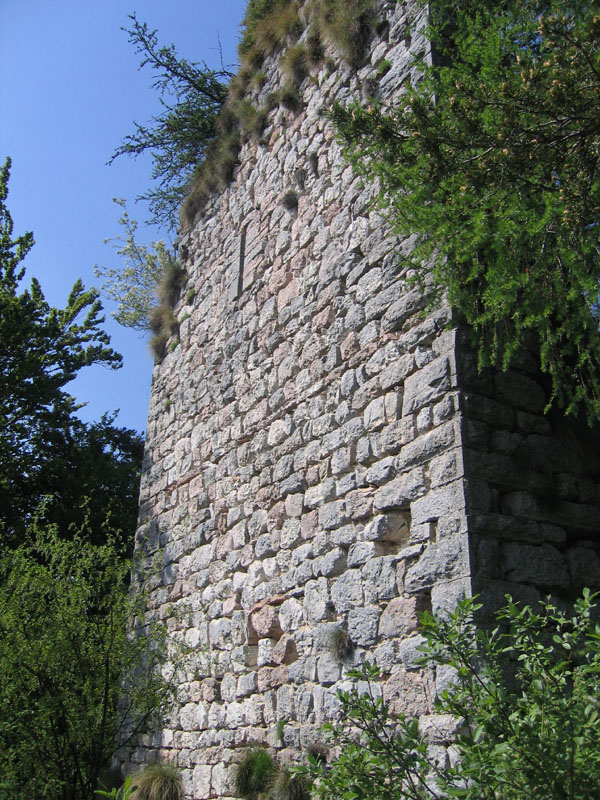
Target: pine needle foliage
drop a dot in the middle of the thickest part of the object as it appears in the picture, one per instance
(192, 95)
(492, 160)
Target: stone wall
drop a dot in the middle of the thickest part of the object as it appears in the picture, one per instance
(323, 460)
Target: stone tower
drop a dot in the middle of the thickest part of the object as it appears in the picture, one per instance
(323, 460)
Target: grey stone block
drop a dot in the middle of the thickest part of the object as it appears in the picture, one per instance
(362, 625)
(440, 562)
(427, 384)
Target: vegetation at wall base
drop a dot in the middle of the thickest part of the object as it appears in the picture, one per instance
(124, 792)
(492, 159)
(158, 781)
(519, 714)
(74, 686)
(255, 773)
(258, 776)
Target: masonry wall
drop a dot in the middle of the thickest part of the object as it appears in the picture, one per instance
(323, 460)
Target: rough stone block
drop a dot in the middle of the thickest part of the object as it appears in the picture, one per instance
(329, 669)
(379, 579)
(374, 414)
(247, 684)
(294, 504)
(362, 626)
(264, 624)
(427, 384)
(392, 527)
(441, 561)
(284, 652)
(382, 471)
(584, 567)
(316, 495)
(405, 693)
(439, 502)
(332, 515)
(316, 600)
(361, 552)
(543, 566)
(347, 591)
(400, 492)
(399, 617)
(408, 303)
(333, 563)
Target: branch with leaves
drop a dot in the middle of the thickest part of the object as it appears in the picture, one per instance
(524, 698)
(134, 285)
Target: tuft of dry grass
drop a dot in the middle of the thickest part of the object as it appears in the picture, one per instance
(158, 781)
(346, 25)
(295, 63)
(271, 26)
(272, 32)
(251, 119)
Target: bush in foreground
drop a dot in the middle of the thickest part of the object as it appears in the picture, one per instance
(525, 696)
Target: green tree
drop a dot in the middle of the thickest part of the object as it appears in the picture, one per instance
(526, 696)
(192, 95)
(134, 286)
(46, 452)
(91, 480)
(73, 684)
(491, 159)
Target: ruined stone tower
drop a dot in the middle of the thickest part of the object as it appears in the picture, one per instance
(323, 460)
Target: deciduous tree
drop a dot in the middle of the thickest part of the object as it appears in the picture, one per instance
(134, 285)
(73, 684)
(46, 452)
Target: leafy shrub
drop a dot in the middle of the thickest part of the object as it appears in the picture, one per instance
(67, 661)
(133, 286)
(525, 697)
(123, 792)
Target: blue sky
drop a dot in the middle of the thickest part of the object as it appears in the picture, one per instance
(70, 89)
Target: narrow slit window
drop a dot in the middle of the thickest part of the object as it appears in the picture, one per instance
(240, 280)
